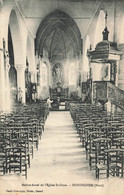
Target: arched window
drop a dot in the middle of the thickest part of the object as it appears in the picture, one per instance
(44, 75)
(72, 74)
(86, 68)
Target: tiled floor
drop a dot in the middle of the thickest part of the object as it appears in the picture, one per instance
(60, 166)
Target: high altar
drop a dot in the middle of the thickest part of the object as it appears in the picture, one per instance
(59, 91)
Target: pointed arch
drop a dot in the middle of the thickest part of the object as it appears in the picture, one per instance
(14, 26)
(65, 23)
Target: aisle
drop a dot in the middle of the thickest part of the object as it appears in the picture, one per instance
(59, 166)
(60, 157)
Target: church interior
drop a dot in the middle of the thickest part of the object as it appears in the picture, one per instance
(70, 52)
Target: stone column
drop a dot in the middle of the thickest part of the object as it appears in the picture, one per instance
(7, 86)
(117, 73)
(77, 63)
(2, 77)
(21, 80)
(33, 76)
(2, 82)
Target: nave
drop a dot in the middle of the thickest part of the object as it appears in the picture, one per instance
(63, 55)
(60, 159)
(60, 154)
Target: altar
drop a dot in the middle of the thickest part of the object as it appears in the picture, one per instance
(59, 95)
(59, 91)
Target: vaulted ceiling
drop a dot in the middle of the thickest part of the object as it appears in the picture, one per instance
(82, 11)
(59, 35)
(58, 25)
(58, 45)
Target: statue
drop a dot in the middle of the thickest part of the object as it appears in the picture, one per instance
(57, 73)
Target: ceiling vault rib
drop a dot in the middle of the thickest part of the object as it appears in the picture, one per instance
(65, 48)
(58, 51)
(63, 43)
(57, 32)
(52, 43)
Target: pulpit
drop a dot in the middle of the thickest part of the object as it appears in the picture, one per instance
(100, 92)
(104, 61)
(104, 64)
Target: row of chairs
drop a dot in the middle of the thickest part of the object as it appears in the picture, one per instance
(20, 132)
(102, 136)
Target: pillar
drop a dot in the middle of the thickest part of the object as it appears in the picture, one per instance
(21, 80)
(2, 83)
(33, 76)
(7, 86)
(2, 76)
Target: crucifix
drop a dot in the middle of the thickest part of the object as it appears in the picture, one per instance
(5, 52)
(105, 32)
(106, 17)
(5, 56)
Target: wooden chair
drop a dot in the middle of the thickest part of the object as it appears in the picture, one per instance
(94, 137)
(115, 162)
(101, 145)
(14, 162)
(2, 162)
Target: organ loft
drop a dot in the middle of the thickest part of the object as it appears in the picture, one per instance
(61, 74)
